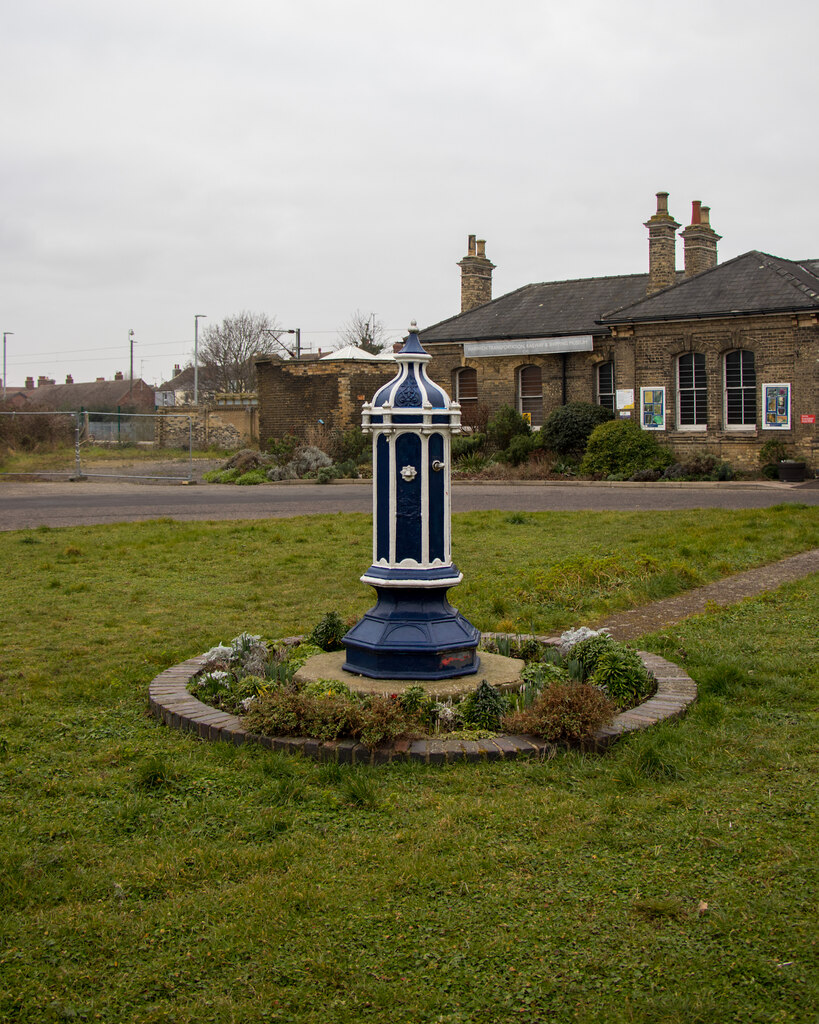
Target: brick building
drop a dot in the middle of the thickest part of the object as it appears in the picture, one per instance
(298, 396)
(715, 358)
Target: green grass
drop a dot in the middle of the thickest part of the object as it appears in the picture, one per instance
(147, 877)
(62, 458)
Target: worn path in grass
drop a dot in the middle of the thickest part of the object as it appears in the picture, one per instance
(730, 590)
(24, 505)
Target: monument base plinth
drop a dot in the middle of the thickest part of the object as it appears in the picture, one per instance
(502, 673)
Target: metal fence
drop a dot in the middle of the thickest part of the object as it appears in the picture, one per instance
(91, 428)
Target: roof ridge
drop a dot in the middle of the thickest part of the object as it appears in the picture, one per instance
(774, 263)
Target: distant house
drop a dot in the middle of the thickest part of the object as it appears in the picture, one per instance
(110, 396)
(179, 390)
(715, 358)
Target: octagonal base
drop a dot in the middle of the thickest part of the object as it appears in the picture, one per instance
(412, 633)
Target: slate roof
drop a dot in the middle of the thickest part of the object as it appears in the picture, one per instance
(543, 310)
(97, 396)
(752, 283)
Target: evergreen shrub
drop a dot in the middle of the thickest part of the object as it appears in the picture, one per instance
(622, 447)
(566, 430)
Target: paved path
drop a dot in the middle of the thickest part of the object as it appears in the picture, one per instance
(24, 505)
(729, 590)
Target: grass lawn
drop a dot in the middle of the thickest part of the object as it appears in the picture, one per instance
(147, 877)
(61, 459)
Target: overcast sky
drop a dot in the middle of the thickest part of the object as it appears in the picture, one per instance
(306, 158)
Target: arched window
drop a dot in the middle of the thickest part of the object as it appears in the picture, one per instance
(466, 385)
(692, 391)
(530, 394)
(740, 390)
(605, 385)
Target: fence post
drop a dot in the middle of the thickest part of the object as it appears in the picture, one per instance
(190, 449)
(77, 461)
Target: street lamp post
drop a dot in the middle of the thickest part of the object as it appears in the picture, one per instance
(196, 319)
(6, 334)
(131, 340)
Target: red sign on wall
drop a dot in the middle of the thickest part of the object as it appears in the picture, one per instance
(807, 417)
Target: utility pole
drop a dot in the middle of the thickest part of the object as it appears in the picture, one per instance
(131, 339)
(196, 319)
(6, 334)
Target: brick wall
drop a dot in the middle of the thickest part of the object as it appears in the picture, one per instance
(294, 396)
(784, 352)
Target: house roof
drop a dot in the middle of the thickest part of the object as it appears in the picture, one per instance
(541, 310)
(95, 395)
(752, 283)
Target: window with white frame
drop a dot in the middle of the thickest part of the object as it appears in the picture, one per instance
(652, 408)
(692, 392)
(740, 390)
(605, 386)
(776, 406)
(530, 394)
(466, 385)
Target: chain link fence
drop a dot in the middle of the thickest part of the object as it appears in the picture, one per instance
(76, 433)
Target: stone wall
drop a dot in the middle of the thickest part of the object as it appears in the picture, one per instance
(295, 396)
(228, 428)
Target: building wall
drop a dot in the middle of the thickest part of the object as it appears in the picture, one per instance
(294, 396)
(786, 351)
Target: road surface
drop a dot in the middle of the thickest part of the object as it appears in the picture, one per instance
(25, 505)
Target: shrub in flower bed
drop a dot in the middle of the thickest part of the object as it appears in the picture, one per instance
(566, 694)
(563, 711)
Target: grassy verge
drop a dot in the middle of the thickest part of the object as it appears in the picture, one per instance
(62, 459)
(146, 877)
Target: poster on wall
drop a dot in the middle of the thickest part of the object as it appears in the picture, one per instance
(776, 405)
(625, 399)
(652, 408)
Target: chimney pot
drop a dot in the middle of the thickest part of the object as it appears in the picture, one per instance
(476, 275)
(176, 369)
(41, 380)
(118, 375)
(29, 383)
(100, 380)
(700, 241)
(69, 379)
(662, 265)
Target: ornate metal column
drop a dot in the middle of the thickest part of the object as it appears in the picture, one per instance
(413, 632)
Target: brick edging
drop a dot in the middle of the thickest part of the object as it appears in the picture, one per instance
(171, 703)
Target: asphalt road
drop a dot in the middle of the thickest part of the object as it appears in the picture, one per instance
(24, 505)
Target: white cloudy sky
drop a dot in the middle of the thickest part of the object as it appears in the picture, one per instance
(305, 158)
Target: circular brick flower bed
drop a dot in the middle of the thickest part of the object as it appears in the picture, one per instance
(172, 704)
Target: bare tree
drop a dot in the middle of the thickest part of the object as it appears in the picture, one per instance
(226, 350)
(367, 332)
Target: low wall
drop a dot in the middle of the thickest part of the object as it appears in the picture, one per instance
(227, 428)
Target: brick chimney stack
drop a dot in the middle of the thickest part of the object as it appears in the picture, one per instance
(662, 249)
(700, 241)
(29, 383)
(69, 379)
(476, 275)
(119, 375)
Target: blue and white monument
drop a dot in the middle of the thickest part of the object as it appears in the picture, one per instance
(413, 632)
